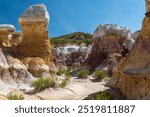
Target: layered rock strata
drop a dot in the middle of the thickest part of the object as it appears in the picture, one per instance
(111, 44)
(27, 55)
(35, 43)
(132, 75)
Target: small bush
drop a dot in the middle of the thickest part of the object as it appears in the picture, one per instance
(63, 71)
(60, 72)
(64, 83)
(12, 96)
(100, 74)
(68, 74)
(83, 73)
(103, 96)
(43, 83)
(71, 68)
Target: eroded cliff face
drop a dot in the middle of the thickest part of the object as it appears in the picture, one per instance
(27, 55)
(132, 76)
(111, 44)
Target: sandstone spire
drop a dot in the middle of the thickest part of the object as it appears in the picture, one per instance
(34, 22)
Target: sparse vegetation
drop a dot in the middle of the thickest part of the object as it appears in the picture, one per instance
(73, 38)
(100, 74)
(43, 83)
(62, 71)
(12, 96)
(64, 82)
(58, 42)
(71, 68)
(68, 74)
(102, 96)
(83, 73)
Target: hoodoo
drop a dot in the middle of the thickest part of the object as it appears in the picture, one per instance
(35, 45)
(34, 22)
(111, 44)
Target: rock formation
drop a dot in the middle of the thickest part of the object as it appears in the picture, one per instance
(13, 74)
(111, 44)
(34, 22)
(135, 35)
(35, 44)
(15, 38)
(71, 55)
(25, 55)
(132, 75)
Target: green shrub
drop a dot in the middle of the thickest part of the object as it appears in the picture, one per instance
(63, 71)
(83, 73)
(68, 74)
(64, 83)
(100, 74)
(103, 96)
(60, 72)
(61, 41)
(43, 83)
(71, 68)
(12, 96)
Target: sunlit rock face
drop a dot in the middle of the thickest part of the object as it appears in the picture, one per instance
(26, 55)
(13, 74)
(111, 44)
(34, 22)
(132, 75)
(111, 29)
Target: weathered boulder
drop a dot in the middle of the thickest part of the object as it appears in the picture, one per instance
(132, 75)
(35, 43)
(37, 67)
(13, 74)
(111, 42)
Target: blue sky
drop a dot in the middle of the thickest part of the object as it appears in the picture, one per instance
(78, 15)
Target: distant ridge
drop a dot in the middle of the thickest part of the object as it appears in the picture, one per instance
(75, 35)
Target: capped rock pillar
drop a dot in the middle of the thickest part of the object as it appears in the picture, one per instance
(35, 43)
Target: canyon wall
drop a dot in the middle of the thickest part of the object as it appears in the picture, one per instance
(132, 75)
